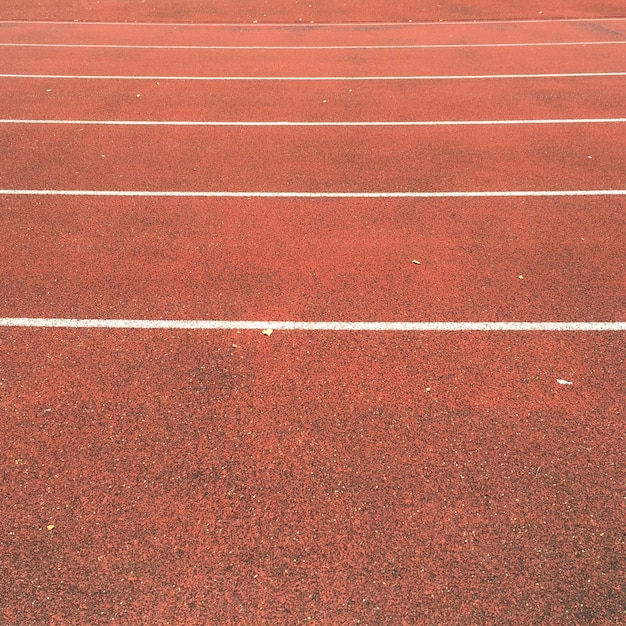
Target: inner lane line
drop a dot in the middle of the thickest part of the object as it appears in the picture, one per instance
(317, 25)
(311, 78)
(609, 120)
(311, 194)
(149, 324)
(373, 47)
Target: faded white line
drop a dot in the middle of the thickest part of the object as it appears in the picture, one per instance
(601, 120)
(348, 47)
(311, 194)
(39, 322)
(310, 78)
(314, 25)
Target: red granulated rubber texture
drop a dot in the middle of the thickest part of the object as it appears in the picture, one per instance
(295, 11)
(225, 477)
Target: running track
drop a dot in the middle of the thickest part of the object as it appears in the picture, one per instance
(430, 218)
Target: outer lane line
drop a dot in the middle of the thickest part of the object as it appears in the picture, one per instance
(610, 120)
(309, 24)
(380, 47)
(312, 78)
(311, 194)
(39, 322)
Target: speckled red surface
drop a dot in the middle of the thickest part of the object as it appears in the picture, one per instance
(311, 478)
(325, 62)
(166, 477)
(303, 10)
(325, 259)
(591, 97)
(312, 159)
(270, 35)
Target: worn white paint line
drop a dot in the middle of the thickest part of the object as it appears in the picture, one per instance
(310, 78)
(39, 322)
(312, 24)
(311, 194)
(610, 120)
(347, 47)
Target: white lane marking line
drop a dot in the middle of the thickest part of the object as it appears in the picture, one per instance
(317, 25)
(39, 322)
(609, 120)
(311, 194)
(372, 47)
(311, 78)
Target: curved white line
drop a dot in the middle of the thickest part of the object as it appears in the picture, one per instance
(38, 322)
(312, 194)
(600, 120)
(310, 78)
(373, 47)
(310, 24)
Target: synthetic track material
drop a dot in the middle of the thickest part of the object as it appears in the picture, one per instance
(311, 36)
(573, 97)
(301, 159)
(169, 473)
(302, 63)
(295, 11)
(323, 259)
(305, 477)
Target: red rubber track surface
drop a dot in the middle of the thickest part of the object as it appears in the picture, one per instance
(312, 159)
(308, 11)
(277, 63)
(314, 260)
(151, 34)
(569, 98)
(223, 477)
(312, 478)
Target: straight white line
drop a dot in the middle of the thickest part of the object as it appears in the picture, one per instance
(309, 24)
(373, 47)
(311, 194)
(39, 322)
(602, 120)
(312, 78)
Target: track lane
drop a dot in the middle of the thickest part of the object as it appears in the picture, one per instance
(322, 260)
(470, 33)
(220, 477)
(321, 11)
(541, 98)
(380, 62)
(312, 159)
(318, 477)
